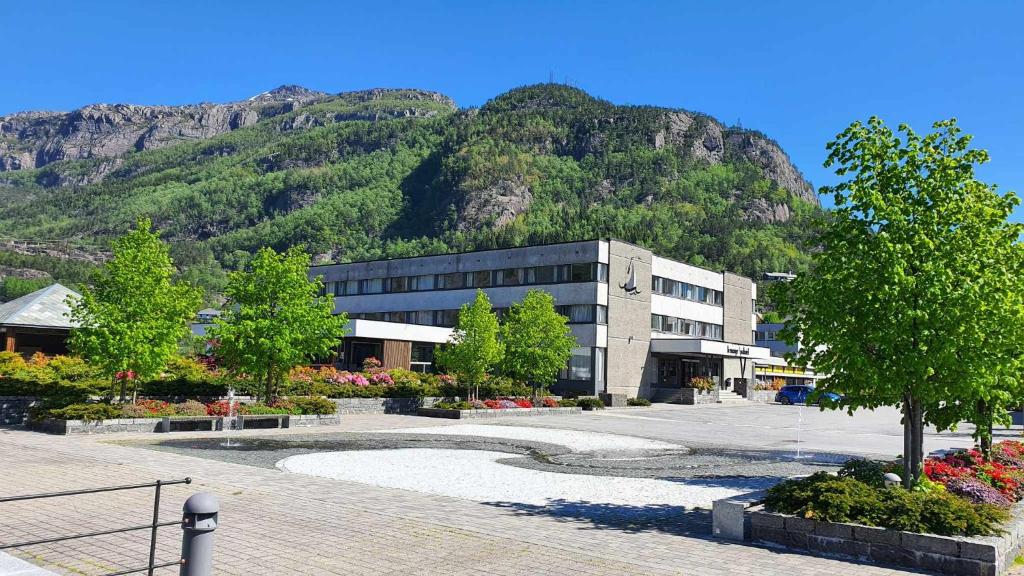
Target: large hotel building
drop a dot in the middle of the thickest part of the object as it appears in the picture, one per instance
(642, 322)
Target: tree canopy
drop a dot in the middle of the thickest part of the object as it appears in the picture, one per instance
(275, 318)
(537, 339)
(474, 347)
(915, 298)
(133, 315)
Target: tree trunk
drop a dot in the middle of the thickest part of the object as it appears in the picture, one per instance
(270, 385)
(918, 425)
(913, 440)
(983, 428)
(124, 391)
(908, 444)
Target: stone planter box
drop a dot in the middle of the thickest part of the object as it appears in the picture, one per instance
(495, 413)
(974, 556)
(694, 396)
(76, 427)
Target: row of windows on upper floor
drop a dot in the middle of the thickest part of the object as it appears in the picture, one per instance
(686, 291)
(562, 273)
(576, 313)
(684, 327)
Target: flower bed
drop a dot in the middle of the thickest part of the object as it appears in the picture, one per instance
(457, 413)
(962, 518)
(499, 407)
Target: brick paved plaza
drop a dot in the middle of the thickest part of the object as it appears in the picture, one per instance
(277, 523)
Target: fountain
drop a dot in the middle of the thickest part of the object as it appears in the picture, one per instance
(799, 428)
(232, 417)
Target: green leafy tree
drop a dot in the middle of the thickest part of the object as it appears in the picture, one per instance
(275, 319)
(133, 316)
(919, 266)
(474, 347)
(537, 340)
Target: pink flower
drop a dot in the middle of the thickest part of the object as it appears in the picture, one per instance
(382, 378)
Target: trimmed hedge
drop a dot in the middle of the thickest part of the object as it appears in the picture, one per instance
(829, 498)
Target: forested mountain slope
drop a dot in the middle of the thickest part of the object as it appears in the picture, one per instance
(384, 173)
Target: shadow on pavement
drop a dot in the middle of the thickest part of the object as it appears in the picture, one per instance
(677, 520)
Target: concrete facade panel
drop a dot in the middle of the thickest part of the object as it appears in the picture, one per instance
(629, 319)
(567, 253)
(737, 309)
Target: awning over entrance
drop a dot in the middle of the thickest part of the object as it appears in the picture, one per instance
(708, 348)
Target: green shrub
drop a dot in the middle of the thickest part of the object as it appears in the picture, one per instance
(638, 402)
(259, 409)
(64, 379)
(84, 412)
(567, 403)
(190, 408)
(828, 498)
(314, 405)
(590, 403)
(870, 472)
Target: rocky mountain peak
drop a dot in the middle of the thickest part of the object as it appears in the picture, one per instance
(288, 93)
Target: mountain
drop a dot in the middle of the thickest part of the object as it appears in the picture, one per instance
(396, 172)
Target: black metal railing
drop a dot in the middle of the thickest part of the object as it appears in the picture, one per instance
(152, 527)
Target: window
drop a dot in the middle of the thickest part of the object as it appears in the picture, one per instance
(399, 284)
(372, 286)
(580, 366)
(602, 314)
(656, 322)
(669, 324)
(581, 272)
(578, 313)
(425, 317)
(424, 282)
(543, 274)
(602, 272)
(452, 280)
(481, 279)
(402, 317)
(363, 350)
(677, 289)
(447, 318)
(509, 277)
(422, 357)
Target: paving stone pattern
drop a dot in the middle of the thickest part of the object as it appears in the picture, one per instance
(277, 523)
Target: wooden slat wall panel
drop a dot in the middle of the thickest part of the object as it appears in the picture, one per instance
(397, 354)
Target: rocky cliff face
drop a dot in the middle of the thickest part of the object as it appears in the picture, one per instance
(35, 139)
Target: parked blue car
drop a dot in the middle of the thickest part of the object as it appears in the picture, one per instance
(801, 394)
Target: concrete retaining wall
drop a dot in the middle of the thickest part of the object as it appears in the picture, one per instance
(495, 413)
(75, 427)
(971, 556)
(382, 405)
(694, 396)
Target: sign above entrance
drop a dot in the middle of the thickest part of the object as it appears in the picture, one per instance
(663, 345)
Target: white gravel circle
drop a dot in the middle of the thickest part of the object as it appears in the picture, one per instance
(575, 440)
(476, 475)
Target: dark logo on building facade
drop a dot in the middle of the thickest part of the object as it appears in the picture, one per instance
(630, 284)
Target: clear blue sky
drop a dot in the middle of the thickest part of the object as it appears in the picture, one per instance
(798, 71)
